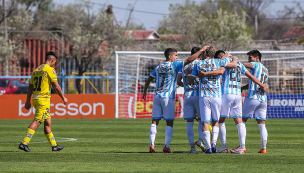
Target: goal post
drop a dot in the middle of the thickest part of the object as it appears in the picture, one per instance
(285, 83)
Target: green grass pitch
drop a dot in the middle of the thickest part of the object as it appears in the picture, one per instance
(122, 145)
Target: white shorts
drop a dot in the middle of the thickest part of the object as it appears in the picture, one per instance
(210, 108)
(232, 104)
(163, 108)
(254, 108)
(191, 107)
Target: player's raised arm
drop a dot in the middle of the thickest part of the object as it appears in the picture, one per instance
(148, 81)
(59, 92)
(255, 80)
(220, 71)
(248, 65)
(232, 64)
(194, 56)
(28, 98)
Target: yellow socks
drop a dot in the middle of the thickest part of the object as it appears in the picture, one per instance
(50, 137)
(28, 136)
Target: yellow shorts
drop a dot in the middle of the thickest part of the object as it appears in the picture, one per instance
(42, 107)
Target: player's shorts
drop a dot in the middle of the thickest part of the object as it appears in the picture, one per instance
(191, 107)
(210, 108)
(231, 104)
(254, 108)
(42, 107)
(163, 108)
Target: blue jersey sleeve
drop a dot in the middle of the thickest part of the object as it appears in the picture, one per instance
(224, 62)
(153, 74)
(243, 68)
(194, 71)
(178, 65)
(181, 70)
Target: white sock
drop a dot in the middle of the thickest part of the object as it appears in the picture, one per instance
(190, 133)
(222, 134)
(242, 134)
(264, 135)
(215, 132)
(153, 131)
(168, 133)
(206, 137)
(200, 131)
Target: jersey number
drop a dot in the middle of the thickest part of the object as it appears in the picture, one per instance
(263, 79)
(237, 77)
(37, 81)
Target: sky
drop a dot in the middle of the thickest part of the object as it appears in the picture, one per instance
(150, 21)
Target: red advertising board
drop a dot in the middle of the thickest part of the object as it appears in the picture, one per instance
(78, 106)
(144, 107)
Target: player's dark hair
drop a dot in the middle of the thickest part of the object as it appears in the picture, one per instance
(255, 53)
(194, 50)
(48, 55)
(217, 53)
(168, 51)
(210, 51)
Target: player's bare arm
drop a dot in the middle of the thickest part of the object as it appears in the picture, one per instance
(179, 80)
(255, 80)
(248, 65)
(59, 92)
(148, 81)
(28, 98)
(191, 79)
(245, 87)
(232, 64)
(194, 56)
(220, 71)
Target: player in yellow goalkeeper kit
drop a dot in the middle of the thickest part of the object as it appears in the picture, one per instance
(40, 85)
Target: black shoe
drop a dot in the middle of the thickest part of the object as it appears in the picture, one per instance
(57, 148)
(24, 147)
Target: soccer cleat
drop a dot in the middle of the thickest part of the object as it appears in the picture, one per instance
(167, 150)
(192, 150)
(262, 150)
(213, 147)
(152, 150)
(232, 150)
(24, 147)
(57, 148)
(208, 151)
(222, 150)
(239, 151)
(201, 145)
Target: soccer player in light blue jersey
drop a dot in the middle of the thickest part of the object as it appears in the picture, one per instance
(255, 103)
(165, 76)
(232, 99)
(210, 96)
(191, 102)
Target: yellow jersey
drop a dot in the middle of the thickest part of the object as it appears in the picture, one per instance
(42, 79)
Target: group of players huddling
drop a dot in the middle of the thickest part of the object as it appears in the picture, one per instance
(212, 92)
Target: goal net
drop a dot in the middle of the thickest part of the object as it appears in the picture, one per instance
(285, 84)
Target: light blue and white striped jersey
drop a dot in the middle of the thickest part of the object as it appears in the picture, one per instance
(209, 86)
(165, 76)
(232, 78)
(190, 89)
(261, 73)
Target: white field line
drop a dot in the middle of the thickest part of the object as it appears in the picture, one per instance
(58, 139)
